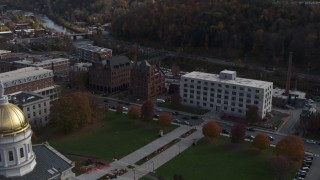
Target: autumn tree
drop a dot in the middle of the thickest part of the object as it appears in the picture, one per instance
(280, 166)
(175, 70)
(252, 115)
(211, 130)
(71, 112)
(147, 110)
(238, 133)
(134, 112)
(291, 147)
(93, 102)
(261, 141)
(164, 120)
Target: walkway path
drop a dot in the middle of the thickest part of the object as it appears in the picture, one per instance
(142, 152)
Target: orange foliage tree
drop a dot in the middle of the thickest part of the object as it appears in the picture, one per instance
(211, 130)
(134, 112)
(291, 147)
(164, 120)
(261, 141)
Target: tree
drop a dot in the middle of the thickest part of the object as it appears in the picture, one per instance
(71, 112)
(119, 109)
(175, 70)
(252, 115)
(291, 147)
(79, 80)
(280, 166)
(211, 130)
(164, 120)
(147, 110)
(134, 112)
(238, 132)
(93, 102)
(261, 141)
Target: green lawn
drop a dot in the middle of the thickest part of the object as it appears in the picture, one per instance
(219, 160)
(117, 136)
(187, 109)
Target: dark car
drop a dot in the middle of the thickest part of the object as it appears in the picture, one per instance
(195, 117)
(185, 118)
(175, 113)
(156, 116)
(271, 138)
(250, 137)
(225, 131)
(250, 129)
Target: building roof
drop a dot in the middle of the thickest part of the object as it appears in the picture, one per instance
(50, 163)
(236, 81)
(115, 61)
(24, 75)
(94, 48)
(280, 93)
(40, 62)
(21, 98)
(4, 51)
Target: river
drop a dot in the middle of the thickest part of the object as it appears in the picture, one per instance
(45, 21)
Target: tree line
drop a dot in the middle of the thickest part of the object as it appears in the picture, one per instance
(259, 31)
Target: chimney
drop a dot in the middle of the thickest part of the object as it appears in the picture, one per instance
(289, 75)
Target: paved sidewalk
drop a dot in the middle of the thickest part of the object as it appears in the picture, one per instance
(136, 155)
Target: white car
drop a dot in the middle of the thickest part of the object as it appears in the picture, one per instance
(125, 108)
(311, 141)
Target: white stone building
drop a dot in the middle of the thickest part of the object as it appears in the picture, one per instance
(19, 159)
(35, 106)
(226, 93)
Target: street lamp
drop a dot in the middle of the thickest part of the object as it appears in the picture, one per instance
(134, 174)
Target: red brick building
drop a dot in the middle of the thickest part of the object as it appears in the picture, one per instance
(110, 75)
(33, 79)
(146, 80)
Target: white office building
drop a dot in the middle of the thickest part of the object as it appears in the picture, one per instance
(226, 93)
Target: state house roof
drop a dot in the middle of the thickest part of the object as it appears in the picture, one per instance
(50, 163)
(237, 81)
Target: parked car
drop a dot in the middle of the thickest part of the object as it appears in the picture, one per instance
(305, 169)
(185, 118)
(250, 137)
(250, 129)
(125, 109)
(156, 116)
(175, 113)
(185, 122)
(225, 131)
(271, 138)
(311, 141)
(177, 121)
(160, 101)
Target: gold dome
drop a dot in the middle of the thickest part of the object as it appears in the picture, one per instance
(12, 120)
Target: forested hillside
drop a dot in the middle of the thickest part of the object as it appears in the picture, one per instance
(245, 29)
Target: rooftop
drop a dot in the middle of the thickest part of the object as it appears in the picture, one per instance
(4, 51)
(94, 48)
(40, 62)
(50, 163)
(277, 92)
(23, 73)
(21, 98)
(237, 81)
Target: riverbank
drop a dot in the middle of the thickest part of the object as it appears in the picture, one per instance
(60, 21)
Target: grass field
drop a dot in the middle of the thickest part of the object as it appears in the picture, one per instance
(113, 137)
(219, 160)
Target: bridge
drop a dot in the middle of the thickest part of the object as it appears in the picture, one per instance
(75, 36)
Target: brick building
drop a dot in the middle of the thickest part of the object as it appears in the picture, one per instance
(110, 75)
(146, 80)
(34, 79)
(93, 53)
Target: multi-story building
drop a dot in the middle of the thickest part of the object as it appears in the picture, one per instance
(59, 66)
(226, 93)
(34, 79)
(35, 106)
(93, 53)
(146, 80)
(110, 75)
(5, 54)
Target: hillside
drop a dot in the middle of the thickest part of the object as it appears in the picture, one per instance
(248, 30)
